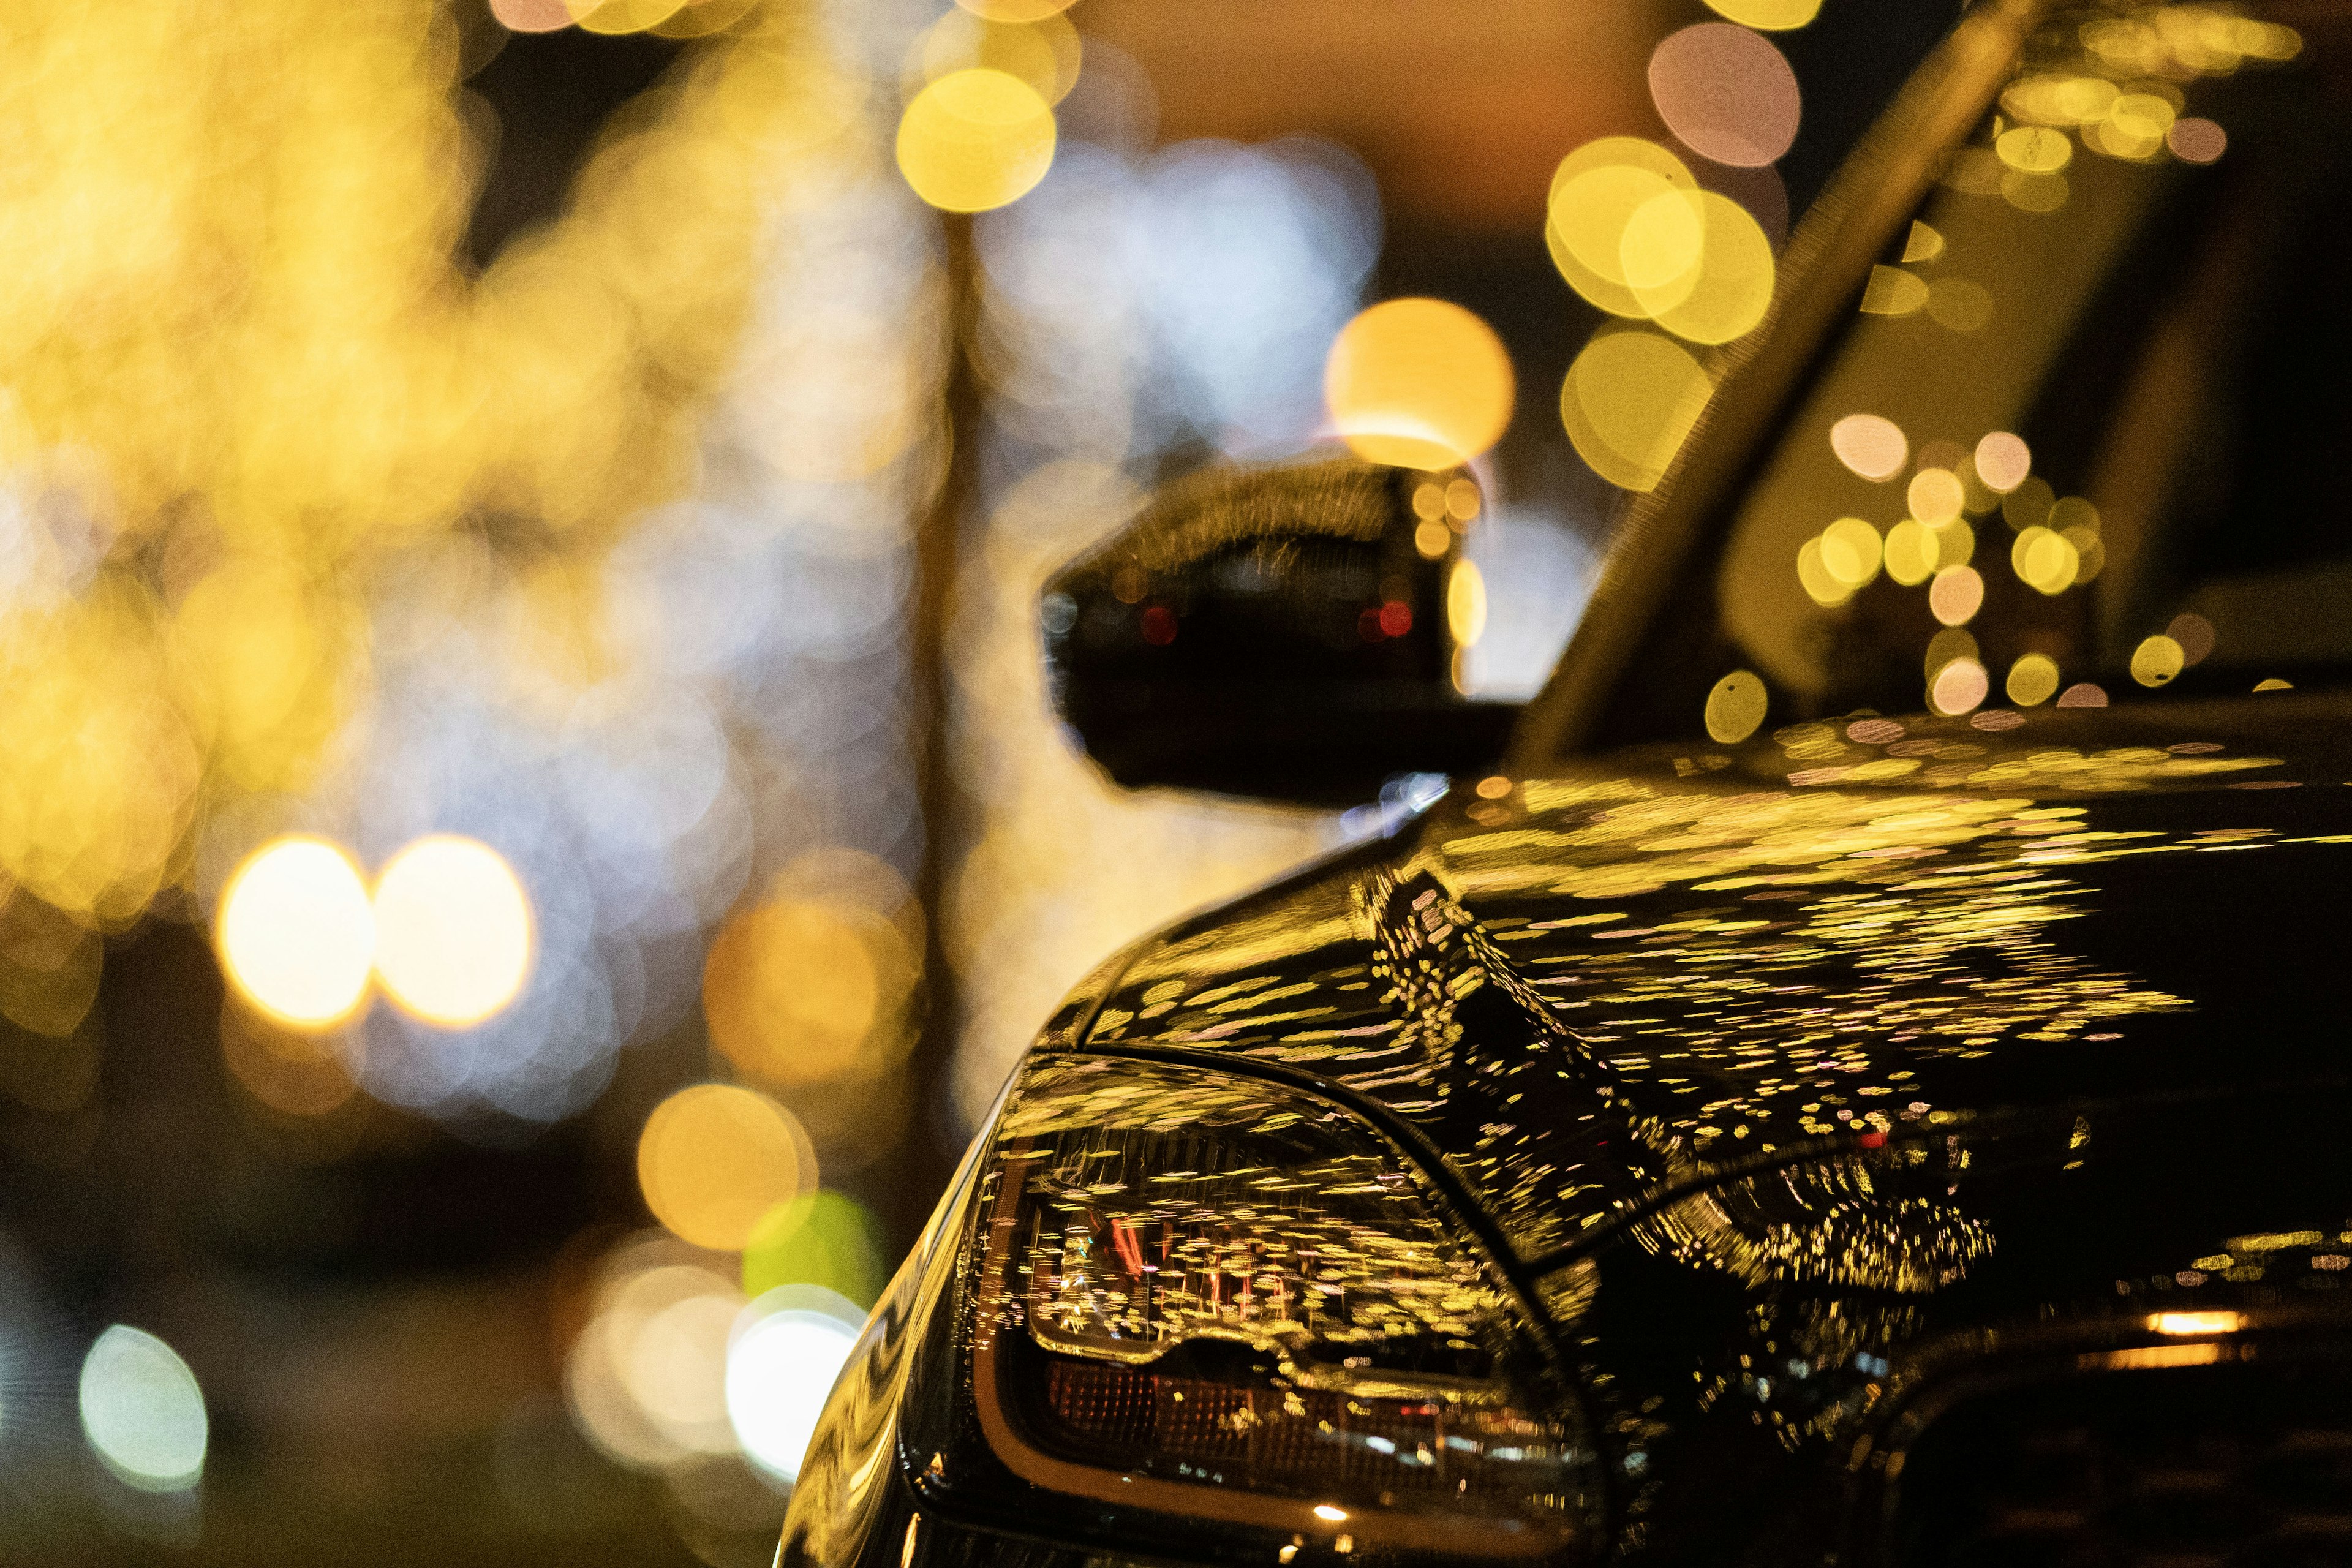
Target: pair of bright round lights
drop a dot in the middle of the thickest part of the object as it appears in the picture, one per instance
(445, 932)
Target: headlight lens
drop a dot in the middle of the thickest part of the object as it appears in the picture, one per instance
(1211, 1296)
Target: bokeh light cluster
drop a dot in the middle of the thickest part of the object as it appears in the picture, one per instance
(1676, 239)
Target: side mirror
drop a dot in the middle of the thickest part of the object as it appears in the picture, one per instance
(1279, 633)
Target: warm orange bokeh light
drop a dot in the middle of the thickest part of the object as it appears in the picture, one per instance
(714, 1159)
(794, 990)
(975, 139)
(1422, 384)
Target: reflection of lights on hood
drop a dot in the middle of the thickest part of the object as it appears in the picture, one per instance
(1325, 1510)
(2185, 1324)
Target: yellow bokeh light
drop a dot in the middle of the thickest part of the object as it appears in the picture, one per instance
(1595, 193)
(1046, 54)
(1419, 382)
(1736, 706)
(975, 139)
(296, 933)
(2044, 561)
(2033, 679)
(1465, 603)
(1658, 253)
(2034, 149)
(617, 16)
(1851, 551)
(1959, 688)
(1946, 646)
(1892, 292)
(1956, 543)
(2156, 661)
(1821, 585)
(453, 931)
(2135, 127)
(1963, 304)
(801, 990)
(1767, 15)
(1698, 264)
(1463, 501)
(2004, 461)
(714, 1159)
(1910, 553)
(1629, 402)
(1014, 11)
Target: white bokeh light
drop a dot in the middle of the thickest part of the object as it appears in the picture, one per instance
(790, 1346)
(142, 1411)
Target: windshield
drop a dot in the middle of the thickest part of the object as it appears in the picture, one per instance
(2088, 438)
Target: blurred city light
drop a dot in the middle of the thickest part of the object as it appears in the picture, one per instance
(1727, 92)
(818, 1238)
(976, 139)
(142, 1411)
(1771, 14)
(297, 933)
(714, 1159)
(1419, 383)
(788, 1348)
(646, 1377)
(453, 931)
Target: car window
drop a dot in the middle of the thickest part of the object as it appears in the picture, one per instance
(2086, 440)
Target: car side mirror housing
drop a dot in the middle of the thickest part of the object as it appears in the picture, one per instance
(1286, 634)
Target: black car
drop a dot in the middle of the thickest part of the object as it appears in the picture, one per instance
(1857, 1070)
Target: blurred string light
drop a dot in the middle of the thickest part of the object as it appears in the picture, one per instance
(1635, 230)
(141, 1411)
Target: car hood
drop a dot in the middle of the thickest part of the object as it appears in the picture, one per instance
(1804, 1078)
(1626, 977)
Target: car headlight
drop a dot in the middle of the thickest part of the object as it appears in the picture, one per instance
(1225, 1300)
